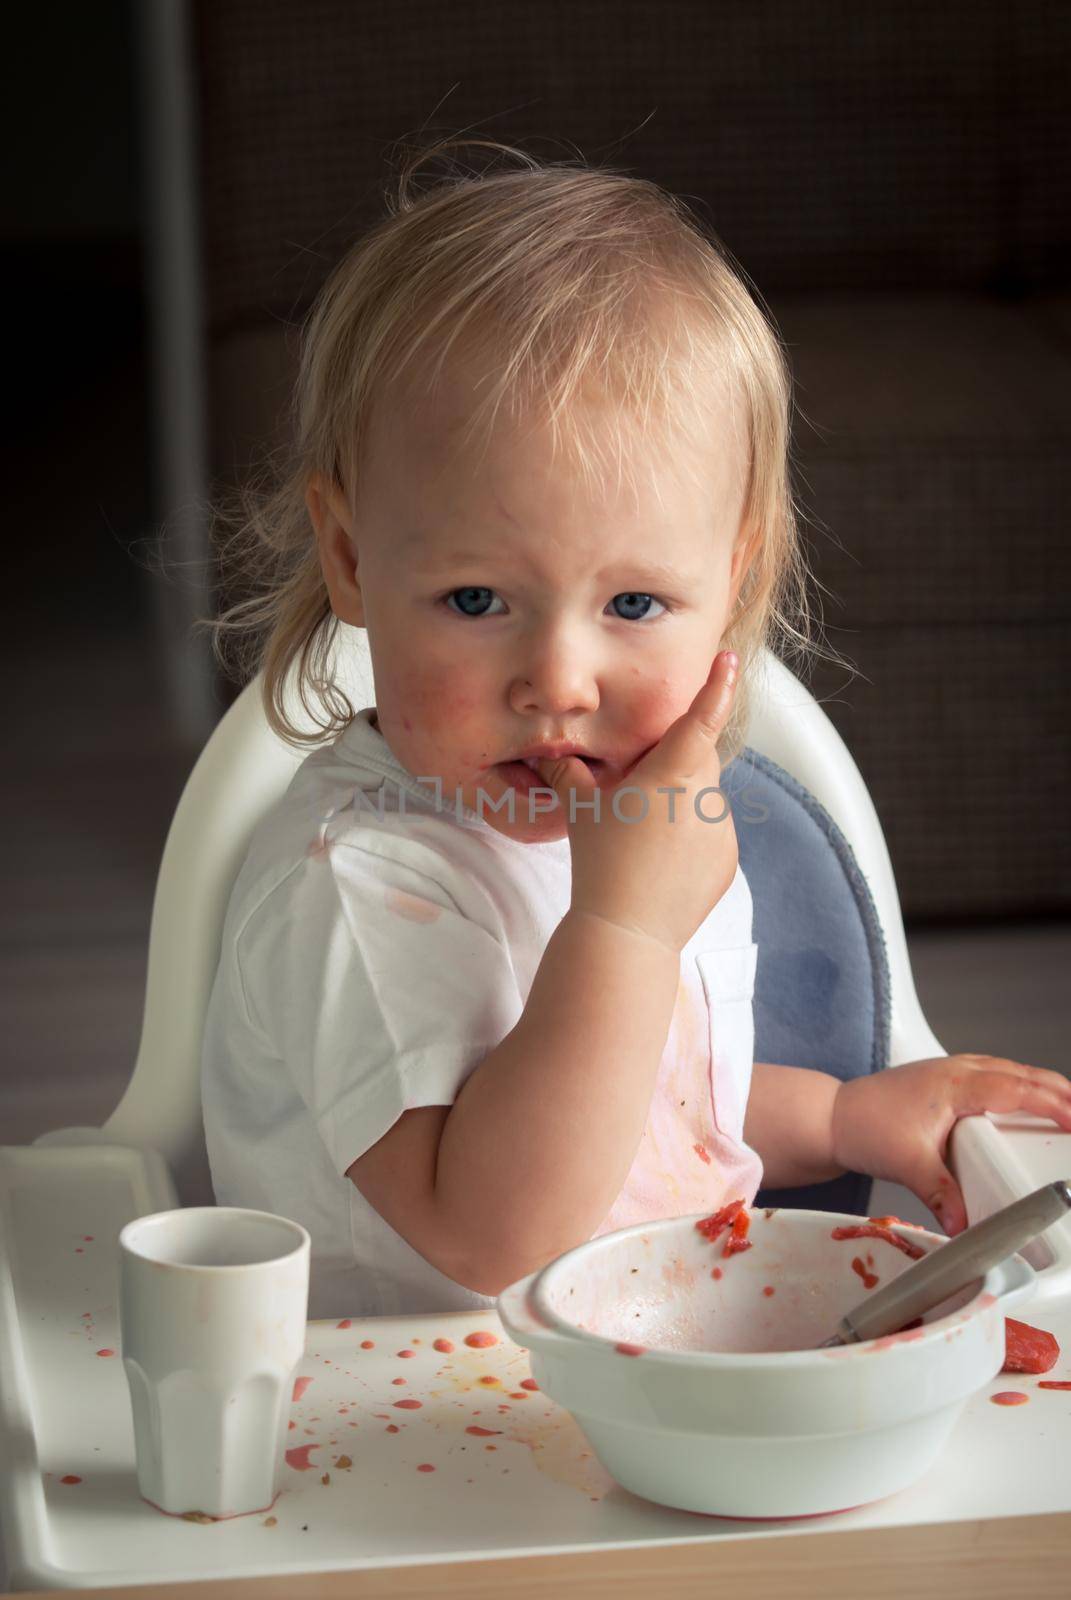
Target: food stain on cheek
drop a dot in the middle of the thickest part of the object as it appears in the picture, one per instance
(444, 697)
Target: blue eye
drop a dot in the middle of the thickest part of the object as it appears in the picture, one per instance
(473, 596)
(468, 594)
(643, 600)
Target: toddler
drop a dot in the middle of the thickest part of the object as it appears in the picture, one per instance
(487, 970)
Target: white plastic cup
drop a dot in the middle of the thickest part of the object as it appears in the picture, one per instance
(213, 1309)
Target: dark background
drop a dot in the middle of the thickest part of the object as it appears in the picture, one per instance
(894, 178)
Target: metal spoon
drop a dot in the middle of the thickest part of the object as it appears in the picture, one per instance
(953, 1266)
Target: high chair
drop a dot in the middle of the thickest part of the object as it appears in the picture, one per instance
(833, 987)
(833, 991)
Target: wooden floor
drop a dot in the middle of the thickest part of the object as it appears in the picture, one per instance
(89, 803)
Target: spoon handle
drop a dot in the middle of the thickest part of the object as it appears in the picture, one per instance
(953, 1266)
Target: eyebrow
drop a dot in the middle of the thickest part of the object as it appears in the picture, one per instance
(659, 572)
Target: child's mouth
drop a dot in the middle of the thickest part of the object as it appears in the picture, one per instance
(521, 776)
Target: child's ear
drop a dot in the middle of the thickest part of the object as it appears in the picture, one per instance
(330, 517)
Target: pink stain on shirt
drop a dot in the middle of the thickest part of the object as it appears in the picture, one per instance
(411, 906)
(684, 1163)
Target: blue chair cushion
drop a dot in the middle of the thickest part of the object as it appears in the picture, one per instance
(822, 995)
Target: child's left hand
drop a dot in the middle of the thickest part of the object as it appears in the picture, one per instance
(896, 1123)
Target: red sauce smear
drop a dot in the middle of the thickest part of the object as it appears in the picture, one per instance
(1052, 1384)
(859, 1266)
(624, 1349)
(72, 1477)
(1009, 1397)
(348, 1323)
(481, 1341)
(530, 1384)
(368, 1344)
(1028, 1349)
(873, 1230)
(298, 1458)
(482, 1433)
(702, 1153)
(300, 1385)
(444, 1345)
(407, 1405)
(105, 1352)
(425, 1466)
(736, 1219)
(406, 1355)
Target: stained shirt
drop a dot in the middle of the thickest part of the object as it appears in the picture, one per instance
(379, 942)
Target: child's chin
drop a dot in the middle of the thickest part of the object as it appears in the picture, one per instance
(542, 827)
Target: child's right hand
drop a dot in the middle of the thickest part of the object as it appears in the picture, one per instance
(657, 877)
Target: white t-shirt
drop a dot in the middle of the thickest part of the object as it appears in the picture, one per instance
(372, 957)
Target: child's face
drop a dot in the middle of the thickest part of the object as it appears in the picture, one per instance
(508, 605)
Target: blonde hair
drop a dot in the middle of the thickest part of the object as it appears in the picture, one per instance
(563, 280)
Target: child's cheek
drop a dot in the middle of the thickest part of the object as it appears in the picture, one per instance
(441, 706)
(656, 703)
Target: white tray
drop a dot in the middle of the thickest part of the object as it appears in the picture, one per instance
(65, 1413)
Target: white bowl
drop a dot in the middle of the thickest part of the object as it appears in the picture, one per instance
(703, 1392)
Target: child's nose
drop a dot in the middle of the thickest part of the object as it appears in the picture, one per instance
(557, 685)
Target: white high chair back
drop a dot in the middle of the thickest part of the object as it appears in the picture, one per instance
(245, 769)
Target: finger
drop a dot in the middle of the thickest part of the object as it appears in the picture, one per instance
(564, 773)
(939, 1190)
(1044, 1075)
(1006, 1091)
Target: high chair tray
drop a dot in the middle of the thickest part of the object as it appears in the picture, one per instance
(372, 1482)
